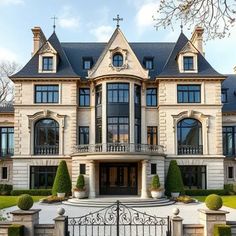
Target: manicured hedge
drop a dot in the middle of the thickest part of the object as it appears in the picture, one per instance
(222, 230)
(205, 192)
(5, 189)
(16, 230)
(32, 192)
(229, 188)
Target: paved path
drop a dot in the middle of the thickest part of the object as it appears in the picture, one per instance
(187, 211)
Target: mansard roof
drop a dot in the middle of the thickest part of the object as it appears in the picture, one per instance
(230, 85)
(71, 56)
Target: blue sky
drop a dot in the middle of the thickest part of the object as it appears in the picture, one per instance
(91, 20)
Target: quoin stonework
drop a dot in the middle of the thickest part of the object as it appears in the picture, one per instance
(118, 112)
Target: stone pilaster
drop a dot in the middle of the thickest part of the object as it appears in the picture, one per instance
(144, 193)
(92, 180)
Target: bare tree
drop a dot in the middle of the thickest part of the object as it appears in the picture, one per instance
(6, 86)
(215, 16)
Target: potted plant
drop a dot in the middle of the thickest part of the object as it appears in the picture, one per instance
(79, 190)
(156, 189)
(174, 181)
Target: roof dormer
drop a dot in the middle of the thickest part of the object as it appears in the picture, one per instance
(47, 59)
(188, 59)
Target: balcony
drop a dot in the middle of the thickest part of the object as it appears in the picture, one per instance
(118, 148)
(190, 150)
(6, 152)
(46, 150)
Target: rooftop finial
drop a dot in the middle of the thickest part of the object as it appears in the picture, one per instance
(54, 18)
(181, 26)
(118, 19)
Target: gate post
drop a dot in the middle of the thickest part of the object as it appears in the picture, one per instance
(61, 224)
(176, 223)
(117, 218)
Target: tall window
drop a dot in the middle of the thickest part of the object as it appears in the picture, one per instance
(46, 93)
(224, 96)
(230, 174)
(4, 173)
(137, 131)
(151, 97)
(98, 130)
(6, 141)
(118, 60)
(229, 137)
(137, 94)
(118, 93)
(118, 129)
(152, 135)
(84, 97)
(189, 137)
(47, 64)
(189, 93)
(188, 63)
(148, 63)
(42, 177)
(99, 95)
(83, 135)
(46, 137)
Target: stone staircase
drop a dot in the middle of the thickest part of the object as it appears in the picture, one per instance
(134, 202)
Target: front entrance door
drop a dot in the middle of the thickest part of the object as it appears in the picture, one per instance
(118, 179)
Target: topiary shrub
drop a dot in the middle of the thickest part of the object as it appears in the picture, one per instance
(213, 202)
(16, 230)
(5, 189)
(25, 202)
(174, 181)
(62, 181)
(80, 183)
(222, 230)
(155, 183)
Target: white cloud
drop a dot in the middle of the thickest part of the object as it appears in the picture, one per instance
(7, 55)
(11, 2)
(67, 20)
(102, 33)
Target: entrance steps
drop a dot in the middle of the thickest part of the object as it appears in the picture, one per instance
(134, 202)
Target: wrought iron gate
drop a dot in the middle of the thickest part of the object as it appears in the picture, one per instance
(118, 220)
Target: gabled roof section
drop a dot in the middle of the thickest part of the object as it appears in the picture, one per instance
(64, 68)
(171, 68)
(188, 48)
(131, 64)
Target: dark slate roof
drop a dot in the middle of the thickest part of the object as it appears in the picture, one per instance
(230, 85)
(171, 67)
(71, 59)
(64, 68)
(7, 109)
(77, 51)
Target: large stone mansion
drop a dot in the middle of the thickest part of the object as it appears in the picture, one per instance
(118, 112)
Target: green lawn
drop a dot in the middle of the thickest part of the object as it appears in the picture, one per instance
(229, 201)
(8, 201)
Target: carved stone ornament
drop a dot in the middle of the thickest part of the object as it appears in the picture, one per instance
(47, 48)
(124, 53)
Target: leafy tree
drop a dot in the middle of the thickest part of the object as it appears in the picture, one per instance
(62, 181)
(174, 182)
(215, 16)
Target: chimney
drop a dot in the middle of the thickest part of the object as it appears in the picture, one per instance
(197, 39)
(235, 70)
(39, 39)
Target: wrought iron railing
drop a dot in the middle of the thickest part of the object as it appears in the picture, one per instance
(6, 152)
(118, 147)
(118, 220)
(46, 150)
(190, 150)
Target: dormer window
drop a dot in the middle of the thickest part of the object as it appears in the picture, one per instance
(224, 96)
(117, 60)
(148, 63)
(87, 63)
(47, 64)
(188, 63)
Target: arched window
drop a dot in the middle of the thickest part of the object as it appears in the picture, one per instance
(189, 137)
(118, 60)
(46, 137)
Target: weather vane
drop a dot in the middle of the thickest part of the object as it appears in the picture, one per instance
(118, 19)
(54, 18)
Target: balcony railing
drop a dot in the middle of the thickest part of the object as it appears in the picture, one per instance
(6, 152)
(190, 150)
(46, 150)
(118, 147)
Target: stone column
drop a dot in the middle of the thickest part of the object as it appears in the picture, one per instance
(93, 114)
(144, 193)
(131, 116)
(92, 180)
(104, 116)
(176, 223)
(143, 114)
(209, 218)
(27, 218)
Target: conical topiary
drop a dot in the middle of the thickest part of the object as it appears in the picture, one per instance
(80, 183)
(62, 181)
(155, 183)
(174, 181)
